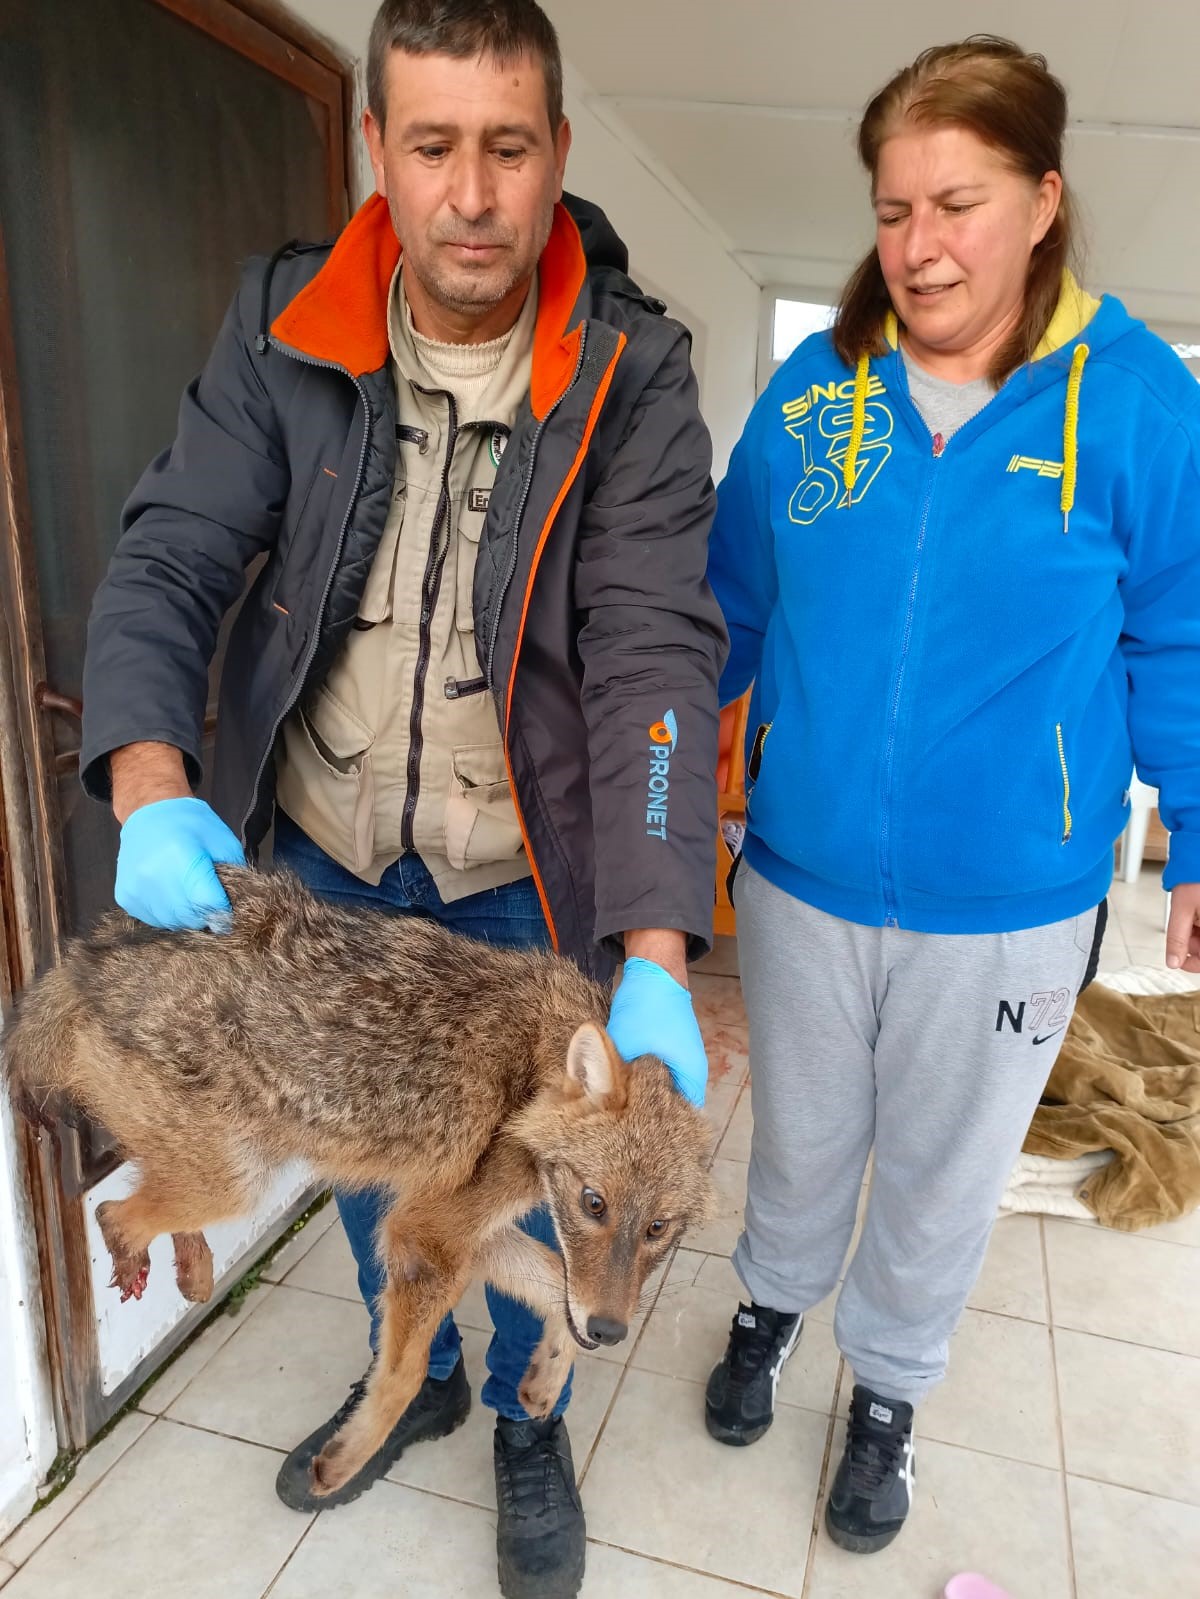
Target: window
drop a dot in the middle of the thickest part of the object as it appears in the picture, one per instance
(788, 319)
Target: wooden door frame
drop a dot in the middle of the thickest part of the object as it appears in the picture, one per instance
(32, 865)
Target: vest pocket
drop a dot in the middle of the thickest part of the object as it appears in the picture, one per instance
(325, 781)
(481, 819)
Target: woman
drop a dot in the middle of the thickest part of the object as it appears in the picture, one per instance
(958, 550)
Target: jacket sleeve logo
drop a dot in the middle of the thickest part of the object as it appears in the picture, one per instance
(664, 736)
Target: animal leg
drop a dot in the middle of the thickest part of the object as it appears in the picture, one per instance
(193, 1266)
(180, 1202)
(521, 1266)
(425, 1278)
(130, 1262)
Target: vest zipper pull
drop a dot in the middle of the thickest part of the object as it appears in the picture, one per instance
(410, 435)
(939, 444)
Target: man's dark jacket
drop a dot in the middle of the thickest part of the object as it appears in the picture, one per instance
(595, 629)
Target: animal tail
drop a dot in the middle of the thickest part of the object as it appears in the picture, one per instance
(39, 1047)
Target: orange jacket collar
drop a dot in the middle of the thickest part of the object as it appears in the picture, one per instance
(341, 316)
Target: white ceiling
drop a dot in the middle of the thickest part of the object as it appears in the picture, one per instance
(749, 107)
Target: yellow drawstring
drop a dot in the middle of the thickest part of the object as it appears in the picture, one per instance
(858, 425)
(1071, 432)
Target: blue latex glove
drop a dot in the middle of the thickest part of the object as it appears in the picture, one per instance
(165, 873)
(652, 1015)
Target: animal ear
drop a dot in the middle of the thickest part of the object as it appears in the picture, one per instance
(594, 1065)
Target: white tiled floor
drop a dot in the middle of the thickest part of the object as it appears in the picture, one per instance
(1061, 1457)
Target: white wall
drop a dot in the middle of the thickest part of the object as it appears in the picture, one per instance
(27, 1436)
(674, 250)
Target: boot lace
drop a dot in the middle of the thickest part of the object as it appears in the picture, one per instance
(875, 1455)
(749, 1348)
(352, 1400)
(536, 1477)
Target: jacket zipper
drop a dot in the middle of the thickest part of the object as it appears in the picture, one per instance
(458, 688)
(299, 679)
(885, 829)
(1068, 823)
(430, 584)
(526, 487)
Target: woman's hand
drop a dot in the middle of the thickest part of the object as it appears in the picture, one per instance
(1183, 928)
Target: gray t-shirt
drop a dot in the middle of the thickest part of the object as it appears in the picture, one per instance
(945, 406)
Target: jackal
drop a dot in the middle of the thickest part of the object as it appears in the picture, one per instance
(474, 1082)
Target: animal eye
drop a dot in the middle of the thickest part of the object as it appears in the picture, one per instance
(593, 1203)
(656, 1229)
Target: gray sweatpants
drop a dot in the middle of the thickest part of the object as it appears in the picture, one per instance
(933, 1048)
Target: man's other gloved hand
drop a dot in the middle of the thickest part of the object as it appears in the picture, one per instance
(165, 873)
(652, 1015)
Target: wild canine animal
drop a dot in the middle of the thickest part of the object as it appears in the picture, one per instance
(475, 1082)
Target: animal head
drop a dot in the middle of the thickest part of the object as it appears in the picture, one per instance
(623, 1159)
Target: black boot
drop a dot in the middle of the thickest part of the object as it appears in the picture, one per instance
(739, 1403)
(440, 1407)
(872, 1492)
(540, 1532)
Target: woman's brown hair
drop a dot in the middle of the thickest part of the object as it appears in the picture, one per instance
(1010, 100)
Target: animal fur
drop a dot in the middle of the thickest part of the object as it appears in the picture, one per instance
(474, 1082)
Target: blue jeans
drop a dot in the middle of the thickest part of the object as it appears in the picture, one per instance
(512, 916)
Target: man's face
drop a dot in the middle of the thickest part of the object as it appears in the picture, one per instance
(471, 172)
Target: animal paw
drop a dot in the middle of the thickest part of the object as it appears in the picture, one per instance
(543, 1381)
(194, 1268)
(330, 1470)
(131, 1286)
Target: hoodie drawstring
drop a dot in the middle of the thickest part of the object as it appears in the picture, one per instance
(858, 425)
(1071, 432)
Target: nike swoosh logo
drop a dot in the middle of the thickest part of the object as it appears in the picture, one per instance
(1046, 1036)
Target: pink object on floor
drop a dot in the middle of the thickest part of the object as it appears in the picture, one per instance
(970, 1585)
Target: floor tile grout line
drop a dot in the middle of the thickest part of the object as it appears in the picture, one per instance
(162, 1376)
(620, 1383)
(270, 1588)
(1142, 1237)
(1126, 1343)
(1131, 1488)
(84, 1497)
(692, 1571)
(215, 1432)
(822, 1479)
(1060, 1429)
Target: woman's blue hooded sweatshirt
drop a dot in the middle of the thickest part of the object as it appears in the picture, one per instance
(959, 649)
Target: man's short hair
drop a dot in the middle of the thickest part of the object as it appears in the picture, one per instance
(505, 30)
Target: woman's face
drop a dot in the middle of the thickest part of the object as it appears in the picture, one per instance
(955, 227)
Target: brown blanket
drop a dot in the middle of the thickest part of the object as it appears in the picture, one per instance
(1128, 1079)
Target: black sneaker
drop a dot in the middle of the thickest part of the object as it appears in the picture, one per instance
(872, 1492)
(739, 1403)
(540, 1533)
(440, 1407)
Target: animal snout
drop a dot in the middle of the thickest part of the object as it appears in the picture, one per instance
(605, 1330)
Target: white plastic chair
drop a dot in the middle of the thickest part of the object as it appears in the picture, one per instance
(1142, 800)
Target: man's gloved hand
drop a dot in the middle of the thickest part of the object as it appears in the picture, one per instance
(165, 873)
(652, 1015)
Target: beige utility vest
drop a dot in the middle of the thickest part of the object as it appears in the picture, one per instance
(400, 749)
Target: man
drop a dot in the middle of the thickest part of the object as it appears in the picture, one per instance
(475, 676)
